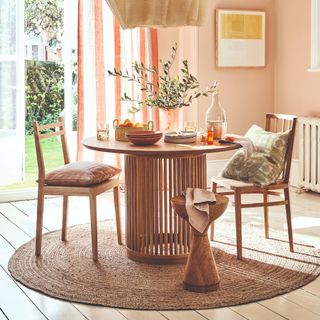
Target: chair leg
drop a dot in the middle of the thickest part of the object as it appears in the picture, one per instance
(116, 196)
(266, 214)
(237, 198)
(40, 207)
(64, 219)
(289, 223)
(212, 231)
(94, 235)
(213, 189)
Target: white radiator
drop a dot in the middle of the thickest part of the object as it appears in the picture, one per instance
(309, 153)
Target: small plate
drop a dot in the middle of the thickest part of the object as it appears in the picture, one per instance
(180, 137)
(181, 140)
(180, 134)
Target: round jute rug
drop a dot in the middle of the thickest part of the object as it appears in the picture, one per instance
(66, 271)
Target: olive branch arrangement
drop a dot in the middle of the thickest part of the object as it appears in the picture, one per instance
(171, 92)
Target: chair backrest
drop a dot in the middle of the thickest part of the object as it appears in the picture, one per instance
(39, 135)
(281, 123)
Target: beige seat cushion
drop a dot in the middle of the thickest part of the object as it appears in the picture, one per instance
(83, 173)
(230, 183)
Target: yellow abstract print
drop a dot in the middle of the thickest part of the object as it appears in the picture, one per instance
(241, 26)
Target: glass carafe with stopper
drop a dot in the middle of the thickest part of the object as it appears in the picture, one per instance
(216, 121)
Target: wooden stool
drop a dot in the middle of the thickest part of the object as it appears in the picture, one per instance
(201, 273)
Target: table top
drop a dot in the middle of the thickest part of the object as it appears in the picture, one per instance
(158, 149)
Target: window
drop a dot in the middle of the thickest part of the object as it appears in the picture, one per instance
(315, 36)
(35, 52)
(11, 91)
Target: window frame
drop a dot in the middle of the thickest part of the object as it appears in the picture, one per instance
(13, 163)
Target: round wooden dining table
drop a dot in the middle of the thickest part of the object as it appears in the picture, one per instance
(153, 175)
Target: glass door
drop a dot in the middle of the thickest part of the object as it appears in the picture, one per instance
(12, 100)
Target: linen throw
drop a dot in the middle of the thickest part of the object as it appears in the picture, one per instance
(246, 143)
(197, 206)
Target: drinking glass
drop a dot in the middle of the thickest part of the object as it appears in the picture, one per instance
(190, 126)
(202, 136)
(102, 131)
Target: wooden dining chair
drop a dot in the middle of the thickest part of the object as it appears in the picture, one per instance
(73, 179)
(274, 123)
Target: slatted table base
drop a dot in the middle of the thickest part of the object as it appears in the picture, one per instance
(154, 232)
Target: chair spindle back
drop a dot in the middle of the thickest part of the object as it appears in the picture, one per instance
(281, 123)
(38, 136)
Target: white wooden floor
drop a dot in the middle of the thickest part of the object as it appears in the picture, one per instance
(17, 225)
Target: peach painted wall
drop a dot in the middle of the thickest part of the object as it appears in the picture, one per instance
(297, 91)
(246, 93)
(283, 86)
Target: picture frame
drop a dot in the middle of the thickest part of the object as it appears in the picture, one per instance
(240, 38)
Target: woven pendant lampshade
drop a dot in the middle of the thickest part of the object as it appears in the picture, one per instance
(159, 13)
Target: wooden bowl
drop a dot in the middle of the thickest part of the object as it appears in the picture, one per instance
(144, 138)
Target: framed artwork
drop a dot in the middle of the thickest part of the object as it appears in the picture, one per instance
(240, 38)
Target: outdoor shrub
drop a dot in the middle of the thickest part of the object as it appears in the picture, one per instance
(44, 92)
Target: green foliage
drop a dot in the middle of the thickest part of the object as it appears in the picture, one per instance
(53, 158)
(45, 16)
(171, 92)
(44, 92)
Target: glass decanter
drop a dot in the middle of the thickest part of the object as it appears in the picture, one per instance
(216, 122)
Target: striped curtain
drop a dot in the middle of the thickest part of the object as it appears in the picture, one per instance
(103, 45)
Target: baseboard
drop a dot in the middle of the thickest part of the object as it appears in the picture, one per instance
(214, 167)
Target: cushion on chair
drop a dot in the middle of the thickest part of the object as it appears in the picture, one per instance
(83, 173)
(230, 183)
(265, 165)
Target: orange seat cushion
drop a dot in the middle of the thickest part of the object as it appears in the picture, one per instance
(82, 173)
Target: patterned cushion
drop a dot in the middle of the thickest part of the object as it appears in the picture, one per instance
(81, 174)
(265, 165)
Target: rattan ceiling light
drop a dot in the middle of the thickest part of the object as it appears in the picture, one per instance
(159, 13)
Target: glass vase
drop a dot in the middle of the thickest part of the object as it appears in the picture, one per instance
(216, 122)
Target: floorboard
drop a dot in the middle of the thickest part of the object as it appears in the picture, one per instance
(19, 219)
(13, 234)
(3, 315)
(51, 308)
(221, 313)
(142, 315)
(181, 315)
(288, 309)
(14, 302)
(99, 313)
(313, 287)
(17, 225)
(304, 299)
(254, 311)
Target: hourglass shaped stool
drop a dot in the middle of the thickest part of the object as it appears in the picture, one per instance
(201, 273)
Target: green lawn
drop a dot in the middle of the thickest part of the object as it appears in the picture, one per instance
(53, 158)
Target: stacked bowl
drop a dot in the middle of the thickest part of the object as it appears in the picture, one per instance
(144, 138)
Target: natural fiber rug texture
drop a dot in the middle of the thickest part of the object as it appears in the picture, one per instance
(66, 271)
